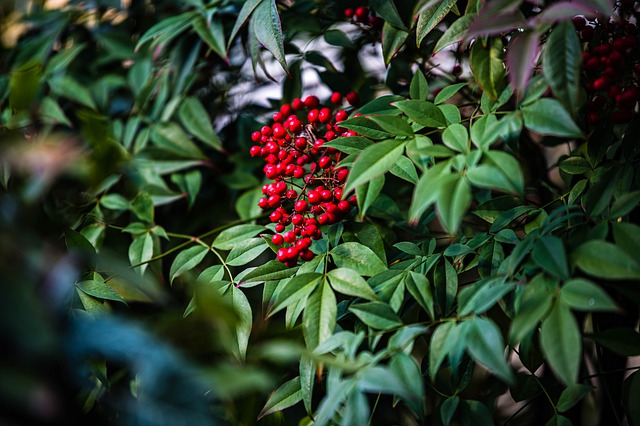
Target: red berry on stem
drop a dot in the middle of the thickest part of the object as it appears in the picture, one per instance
(277, 239)
(336, 98)
(353, 98)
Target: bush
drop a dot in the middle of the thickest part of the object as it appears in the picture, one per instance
(296, 212)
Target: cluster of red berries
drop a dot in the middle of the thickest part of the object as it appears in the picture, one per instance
(610, 68)
(363, 16)
(307, 186)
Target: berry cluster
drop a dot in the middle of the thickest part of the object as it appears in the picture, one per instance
(610, 68)
(307, 186)
(364, 17)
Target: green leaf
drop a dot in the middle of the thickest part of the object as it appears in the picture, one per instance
(548, 117)
(357, 257)
(625, 204)
(386, 9)
(142, 206)
(166, 29)
(356, 409)
(246, 251)
(430, 17)
(376, 315)
(419, 87)
(485, 345)
(562, 344)
(141, 250)
(366, 127)
(437, 351)
(448, 409)
(69, 88)
(575, 165)
(627, 237)
(319, 317)
(100, 290)
(423, 112)
(187, 260)
(247, 8)
(623, 341)
(487, 65)
(368, 193)
(381, 105)
(405, 368)
(51, 113)
(631, 395)
(510, 168)
(572, 395)
(245, 320)
(230, 237)
(487, 293)
(584, 295)
(171, 138)
(287, 395)
(297, 288)
(559, 420)
(115, 202)
(562, 60)
(447, 92)
(456, 137)
(349, 282)
(420, 288)
(338, 38)
(372, 162)
(491, 177)
(393, 124)
(606, 260)
(536, 302)
(350, 145)
(212, 33)
(392, 40)
(549, 253)
(270, 271)
(453, 202)
(428, 189)
(454, 33)
(451, 113)
(405, 169)
(268, 30)
(195, 119)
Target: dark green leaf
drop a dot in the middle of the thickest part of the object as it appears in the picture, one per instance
(368, 193)
(212, 33)
(387, 11)
(485, 345)
(623, 341)
(562, 60)
(419, 87)
(350, 145)
(187, 260)
(100, 290)
(584, 295)
(453, 202)
(392, 124)
(606, 260)
(376, 315)
(548, 117)
(423, 112)
(297, 288)
(562, 344)
(372, 162)
(228, 238)
(486, 294)
(549, 253)
(419, 287)
(430, 17)
(349, 282)
(487, 65)
(171, 138)
(392, 40)
(270, 271)
(268, 30)
(447, 92)
(141, 250)
(575, 165)
(572, 395)
(454, 33)
(405, 169)
(195, 119)
(357, 257)
(246, 251)
(448, 409)
(319, 317)
(287, 395)
(247, 8)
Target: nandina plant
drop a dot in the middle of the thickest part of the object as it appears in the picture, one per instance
(447, 236)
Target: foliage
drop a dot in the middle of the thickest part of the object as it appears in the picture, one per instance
(484, 273)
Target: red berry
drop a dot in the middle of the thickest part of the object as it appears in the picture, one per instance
(307, 255)
(279, 227)
(324, 162)
(255, 151)
(289, 236)
(263, 203)
(587, 33)
(275, 216)
(255, 136)
(301, 206)
(282, 254)
(341, 115)
(602, 50)
(601, 83)
(353, 98)
(342, 175)
(348, 13)
(297, 219)
(285, 109)
(579, 22)
(336, 98)
(313, 115)
(314, 198)
(266, 130)
(311, 102)
(324, 115)
(277, 239)
(621, 116)
(297, 104)
(362, 13)
(593, 117)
